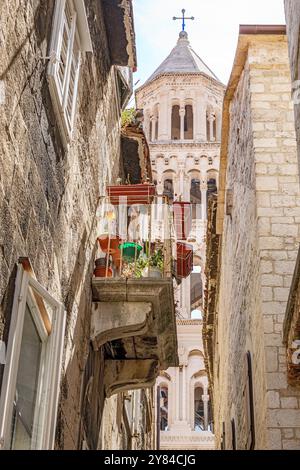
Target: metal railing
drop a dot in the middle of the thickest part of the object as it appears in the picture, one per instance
(135, 241)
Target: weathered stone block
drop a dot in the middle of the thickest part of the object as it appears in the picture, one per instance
(289, 402)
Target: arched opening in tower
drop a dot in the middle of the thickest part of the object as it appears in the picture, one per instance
(169, 189)
(195, 194)
(175, 123)
(199, 409)
(164, 408)
(189, 122)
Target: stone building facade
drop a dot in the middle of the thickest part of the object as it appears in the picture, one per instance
(252, 248)
(65, 76)
(182, 106)
(292, 319)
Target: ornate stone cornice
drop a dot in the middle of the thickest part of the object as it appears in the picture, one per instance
(180, 145)
(188, 322)
(174, 78)
(193, 440)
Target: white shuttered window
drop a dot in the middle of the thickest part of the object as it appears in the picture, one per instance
(31, 380)
(70, 38)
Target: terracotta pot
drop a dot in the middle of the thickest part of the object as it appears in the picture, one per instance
(100, 270)
(113, 243)
(135, 193)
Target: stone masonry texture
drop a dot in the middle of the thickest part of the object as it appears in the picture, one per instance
(49, 197)
(258, 252)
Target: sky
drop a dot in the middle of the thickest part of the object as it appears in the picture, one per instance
(213, 34)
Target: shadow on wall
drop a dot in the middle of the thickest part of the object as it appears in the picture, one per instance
(82, 391)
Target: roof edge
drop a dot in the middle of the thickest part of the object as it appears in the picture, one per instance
(173, 74)
(262, 29)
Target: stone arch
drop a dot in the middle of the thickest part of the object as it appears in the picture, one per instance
(165, 375)
(197, 261)
(195, 352)
(156, 116)
(199, 374)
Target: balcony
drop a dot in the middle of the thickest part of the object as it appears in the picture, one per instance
(133, 313)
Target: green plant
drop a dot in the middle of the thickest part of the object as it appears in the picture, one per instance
(156, 260)
(128, 117)
(135, 269)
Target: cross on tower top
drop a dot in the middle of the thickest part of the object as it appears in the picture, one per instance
(183, 18)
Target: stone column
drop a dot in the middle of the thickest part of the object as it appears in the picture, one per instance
(169, 114)
(184, 397)
(203, 188)
(185, 295)
(200, 113)
(177, 395)
(182, 115)
(163, 118)
(146, 125)
(181, 171)
(186, 188)
(211, 127)
(205, 399)
(219, 126)
(153, 120)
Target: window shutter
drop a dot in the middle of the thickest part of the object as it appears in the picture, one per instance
(65, 46)
(73, 85)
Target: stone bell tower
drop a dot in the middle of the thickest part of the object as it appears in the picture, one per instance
(182, 105)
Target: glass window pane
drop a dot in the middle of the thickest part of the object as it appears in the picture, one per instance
(27, 385)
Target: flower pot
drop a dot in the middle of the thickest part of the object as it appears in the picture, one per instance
(130, 251)
(184, 265)
(132, 193)
(100, 270)
(152, 272)
(109, 245)
(182, 219)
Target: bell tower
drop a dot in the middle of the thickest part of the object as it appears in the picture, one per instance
(182, 105)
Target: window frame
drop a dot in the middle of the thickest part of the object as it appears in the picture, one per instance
(44, 435)
(249, 396)
(78, 40)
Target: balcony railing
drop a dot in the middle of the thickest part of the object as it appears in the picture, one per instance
(133, 309)
(135, 241)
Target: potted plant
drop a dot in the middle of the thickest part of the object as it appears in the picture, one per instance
(154, 265)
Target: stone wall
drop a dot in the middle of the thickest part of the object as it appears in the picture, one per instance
(292, 12)
(292, 319)
(259, 248)
(49, 197)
